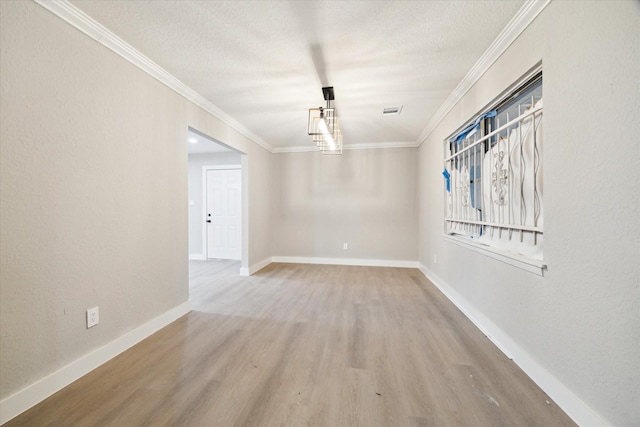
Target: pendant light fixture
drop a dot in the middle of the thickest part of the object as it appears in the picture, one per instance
(323, 125)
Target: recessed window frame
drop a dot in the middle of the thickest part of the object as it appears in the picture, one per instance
(534, 265)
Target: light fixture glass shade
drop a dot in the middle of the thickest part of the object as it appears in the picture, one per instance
(321, 121)
(332, 144)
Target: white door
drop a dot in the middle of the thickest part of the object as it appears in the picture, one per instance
(222, 215)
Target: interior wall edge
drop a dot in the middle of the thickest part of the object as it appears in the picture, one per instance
(525, 16)
(347, 147)
(255, 267)
(38, 391)
(570, 403)
(93, 29)
(346, 261)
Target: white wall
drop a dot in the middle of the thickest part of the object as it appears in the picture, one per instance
(196, 219)
(366, 198)
(581, 321)
(93, 196)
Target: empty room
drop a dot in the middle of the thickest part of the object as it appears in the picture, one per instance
(319, 213)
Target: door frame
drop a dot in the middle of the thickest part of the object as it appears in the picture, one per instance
(205, 243)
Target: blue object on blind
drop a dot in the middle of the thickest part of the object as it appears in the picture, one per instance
(475, 125)
(447, 178)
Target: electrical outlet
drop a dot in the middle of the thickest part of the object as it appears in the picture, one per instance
(345, 246)
(93, 317)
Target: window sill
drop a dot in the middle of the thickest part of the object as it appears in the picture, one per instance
(531, 265)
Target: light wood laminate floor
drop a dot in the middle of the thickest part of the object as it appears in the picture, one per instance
(307, 345)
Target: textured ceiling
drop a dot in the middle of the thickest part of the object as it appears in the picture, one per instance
(264, 62)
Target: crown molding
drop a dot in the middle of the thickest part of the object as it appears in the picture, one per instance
(298, 149)
(364, 146)
(527, 13)
(83, 22)
(374, 145)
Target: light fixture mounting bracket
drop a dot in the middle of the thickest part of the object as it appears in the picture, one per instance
(327, 92)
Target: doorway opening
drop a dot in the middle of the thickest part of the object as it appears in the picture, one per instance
(218, 208)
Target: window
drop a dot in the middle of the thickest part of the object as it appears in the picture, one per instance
(493, 175)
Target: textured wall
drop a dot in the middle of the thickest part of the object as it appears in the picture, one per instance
(196, 220)
(93, 194)
(366, 198)
(582, 320)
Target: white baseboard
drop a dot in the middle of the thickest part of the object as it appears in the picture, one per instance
(346, 261)
(578, 410)
(33, 394)
(255, 267)
(197, 257)
(329, 261)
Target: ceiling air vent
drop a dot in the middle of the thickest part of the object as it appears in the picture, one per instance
(392, 111)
